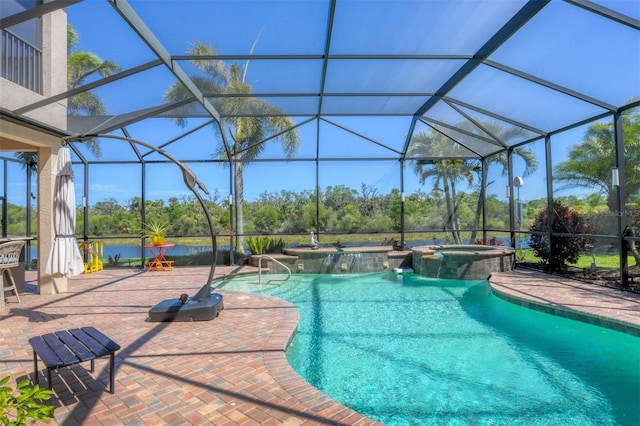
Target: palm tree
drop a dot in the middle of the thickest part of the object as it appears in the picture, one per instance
(80, 65)
(529, 157)
(449, 172)
(28, 160)
(590, 163)
(444, 173)
(246, 131)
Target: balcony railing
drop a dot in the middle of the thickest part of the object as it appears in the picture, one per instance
(21, 62)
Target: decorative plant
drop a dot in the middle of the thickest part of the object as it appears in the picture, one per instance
(558, 251)
(23, 403)
(114, 260)
(156, 231)
(262, 245)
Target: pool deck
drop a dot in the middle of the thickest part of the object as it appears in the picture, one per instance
(575, 299)
(228, 371)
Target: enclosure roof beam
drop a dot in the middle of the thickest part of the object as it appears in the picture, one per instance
(327, 45)
(607, 13)
(273, 136)
(527, 12)
(252, 57)
(28, 122)
(185, 134)
(35, 12)
(86, 87)
(551, 85)
(361, 135)
(105, 124)
(137, 24)
(477, 124)
(464, 132)
(433, 123)
(494, 115)
(133, 146)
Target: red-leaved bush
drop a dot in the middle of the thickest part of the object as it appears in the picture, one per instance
(559, 250)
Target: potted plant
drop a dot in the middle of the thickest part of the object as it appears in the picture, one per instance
(263, 245)
(156, 231)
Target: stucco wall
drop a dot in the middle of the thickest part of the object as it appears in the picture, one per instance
(54, 65)
(16, 136)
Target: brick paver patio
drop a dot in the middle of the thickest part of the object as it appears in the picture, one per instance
(229, 371)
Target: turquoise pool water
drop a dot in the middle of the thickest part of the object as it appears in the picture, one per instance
(409, 350)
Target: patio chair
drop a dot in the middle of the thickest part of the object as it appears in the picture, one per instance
(9, 258)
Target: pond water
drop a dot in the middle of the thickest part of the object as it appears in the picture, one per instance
(131, 251)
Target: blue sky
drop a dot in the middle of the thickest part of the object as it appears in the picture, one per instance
(300, 23)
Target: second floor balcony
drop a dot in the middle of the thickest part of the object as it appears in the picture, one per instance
(21, 62)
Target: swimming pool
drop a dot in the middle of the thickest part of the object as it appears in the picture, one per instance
(410, 350)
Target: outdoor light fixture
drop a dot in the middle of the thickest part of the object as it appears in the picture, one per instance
(615, 179)
(518, 182)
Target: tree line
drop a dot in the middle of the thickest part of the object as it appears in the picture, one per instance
(342, 210)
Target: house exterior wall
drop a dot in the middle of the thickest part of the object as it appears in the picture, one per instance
(54, 67)
(17, 137)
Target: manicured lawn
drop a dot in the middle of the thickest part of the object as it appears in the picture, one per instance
(603, 261)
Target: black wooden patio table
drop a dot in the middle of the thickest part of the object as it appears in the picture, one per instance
(68, 347)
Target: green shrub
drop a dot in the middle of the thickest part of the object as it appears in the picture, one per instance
(555, 254)
(263, 245)
(24, 403)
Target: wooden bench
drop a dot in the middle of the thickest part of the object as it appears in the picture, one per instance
(69, 347)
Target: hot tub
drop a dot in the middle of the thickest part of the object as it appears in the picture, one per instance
(462, 262)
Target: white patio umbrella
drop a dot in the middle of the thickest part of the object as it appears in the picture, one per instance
(64, 257)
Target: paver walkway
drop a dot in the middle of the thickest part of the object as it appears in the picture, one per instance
(228, 371)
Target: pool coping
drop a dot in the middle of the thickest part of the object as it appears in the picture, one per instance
(594, 304)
